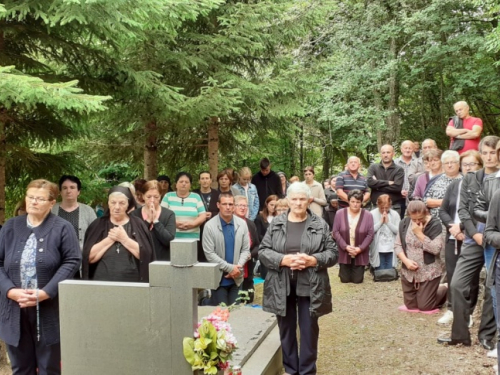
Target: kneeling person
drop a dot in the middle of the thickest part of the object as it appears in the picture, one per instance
(226, 242)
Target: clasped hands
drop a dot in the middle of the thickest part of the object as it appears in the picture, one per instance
(118, 234)
(456, 232)
(26, 297)
(299, 261)
(352, 250)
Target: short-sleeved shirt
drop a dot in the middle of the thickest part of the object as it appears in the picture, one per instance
(347, 183)
(469, 144)
(185, 209)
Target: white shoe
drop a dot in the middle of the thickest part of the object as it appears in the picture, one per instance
(492, 353)
(471, 322)
(447, 318)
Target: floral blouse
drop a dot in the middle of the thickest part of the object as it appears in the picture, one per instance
(415, 251)
(438, 190)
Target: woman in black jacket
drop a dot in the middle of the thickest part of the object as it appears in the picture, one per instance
(470, 161)
(297, 250)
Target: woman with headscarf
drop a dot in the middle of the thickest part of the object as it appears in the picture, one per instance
(118, 247)
(284, 183)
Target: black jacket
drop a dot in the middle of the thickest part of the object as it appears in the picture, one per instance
(490, 185)
(266, 186)
(380, 184)
(448, 207)
(471, 185)
(252, 229)
(316, 241)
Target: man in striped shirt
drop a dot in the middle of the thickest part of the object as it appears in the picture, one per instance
(349, 180)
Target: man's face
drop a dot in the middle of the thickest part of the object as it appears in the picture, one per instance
(428, 145)
(226, 208)
(416, 146)
(353, 165)
(387, 153)
(241, 208)
(489, 156)
(407, 149)
(461, 110)
(69, 190)
(205, 180)
(265, 171)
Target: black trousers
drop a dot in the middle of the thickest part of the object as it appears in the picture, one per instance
(451, 262)
(31, 354)
(295, 363)
(248, 281)
(350, 273)
(464, 293)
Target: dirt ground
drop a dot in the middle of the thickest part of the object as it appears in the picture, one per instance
(367, 334)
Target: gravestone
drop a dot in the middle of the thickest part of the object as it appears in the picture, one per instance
(134, 328)
(110, 328)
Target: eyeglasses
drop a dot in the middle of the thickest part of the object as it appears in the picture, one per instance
(469, 165)
(241, 205)
(36, 199)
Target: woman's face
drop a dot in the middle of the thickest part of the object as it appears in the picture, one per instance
(281, 208)
(354, 205)
(241, 208)
(69, 191)
(152, 197)
(164, 185)
(451, 167)
(118, 205)
(283, 179)
(38, 203)
(308, 176)
(383, 208)
(298, 203)
(245, 179)
(469, 164)
(418, 217)
(224, 182)
(183, 185)
(271, 207)
(435, 165)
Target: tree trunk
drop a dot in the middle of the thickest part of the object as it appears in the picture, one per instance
(151, 151)
(213, 148)
(378, 104)
(393, 121)
(301, 137)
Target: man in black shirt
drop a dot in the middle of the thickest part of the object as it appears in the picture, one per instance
(267, 182)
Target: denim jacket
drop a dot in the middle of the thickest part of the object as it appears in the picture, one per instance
(253, 198)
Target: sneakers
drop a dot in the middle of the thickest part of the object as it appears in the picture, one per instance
(471, 322)
(447, 318)
(492, 353)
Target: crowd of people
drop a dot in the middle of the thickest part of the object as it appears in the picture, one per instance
(433, 212)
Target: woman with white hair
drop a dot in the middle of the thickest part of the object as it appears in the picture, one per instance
(118, 247)
(436, 188)
(297, 250)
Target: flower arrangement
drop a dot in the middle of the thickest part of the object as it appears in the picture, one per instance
(213, 344)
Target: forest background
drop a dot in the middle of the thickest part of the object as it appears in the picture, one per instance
(114, 90)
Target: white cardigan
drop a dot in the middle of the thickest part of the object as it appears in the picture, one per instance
(393, 225)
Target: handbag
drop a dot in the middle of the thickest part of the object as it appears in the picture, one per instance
(457, 144)
(390, 274)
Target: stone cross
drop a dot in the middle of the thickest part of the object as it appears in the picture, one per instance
(135, 328)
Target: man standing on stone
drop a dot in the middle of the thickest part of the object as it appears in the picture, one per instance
(226, 242)
(470, 131)
(267, 182)
(349, 180)
(405, 161)
(387, 178)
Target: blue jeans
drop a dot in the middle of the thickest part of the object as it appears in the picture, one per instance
(385, 261)
(489, 251)
(223, 294)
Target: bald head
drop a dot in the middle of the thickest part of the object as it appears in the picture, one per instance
(461, 109)
(387, 153)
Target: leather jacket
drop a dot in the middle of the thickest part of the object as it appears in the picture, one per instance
(316, 241)
(471, 185)
(490, 185)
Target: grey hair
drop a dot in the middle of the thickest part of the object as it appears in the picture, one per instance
(450, 154)
(238, 198)
(298, 188)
